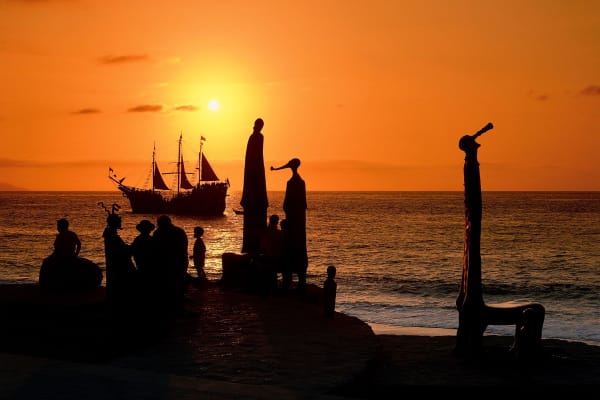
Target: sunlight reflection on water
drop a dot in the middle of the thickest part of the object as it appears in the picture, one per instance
(398, 254)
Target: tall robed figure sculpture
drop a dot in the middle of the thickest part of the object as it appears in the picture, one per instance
(254, 194)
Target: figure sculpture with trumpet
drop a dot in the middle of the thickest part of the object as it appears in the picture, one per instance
(294, 206)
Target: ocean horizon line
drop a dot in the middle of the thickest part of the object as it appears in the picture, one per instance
(320, 191)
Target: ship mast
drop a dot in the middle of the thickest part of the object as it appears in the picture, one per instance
(179, 162)
(202, 139)
(153, 164)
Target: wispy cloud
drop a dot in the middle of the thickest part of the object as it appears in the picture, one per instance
(538, 96)
(146, 108)
(185, 108)
(122, 59)
(592, 90)
(34, 1)
(83, 111)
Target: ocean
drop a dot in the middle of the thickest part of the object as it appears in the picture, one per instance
(398, 254)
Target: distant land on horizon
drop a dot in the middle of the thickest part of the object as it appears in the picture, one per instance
(7, 187)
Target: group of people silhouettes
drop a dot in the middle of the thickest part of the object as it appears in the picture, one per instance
(276, 255)
(153, 269)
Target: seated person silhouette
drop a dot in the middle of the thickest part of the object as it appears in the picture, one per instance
(66, 243)
(64, 269)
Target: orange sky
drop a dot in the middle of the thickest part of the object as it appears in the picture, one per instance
(370, 95)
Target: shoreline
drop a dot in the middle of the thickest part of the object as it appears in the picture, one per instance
(238, 345)
(383, 329)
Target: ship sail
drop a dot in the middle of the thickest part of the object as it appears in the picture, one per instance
(184, 182)
(158, 182)
(208, 173)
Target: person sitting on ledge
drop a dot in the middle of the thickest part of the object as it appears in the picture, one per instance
(67, 243)
(64, 269)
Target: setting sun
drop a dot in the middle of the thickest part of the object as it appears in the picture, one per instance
(213, 105)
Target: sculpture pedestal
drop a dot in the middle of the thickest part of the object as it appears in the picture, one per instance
(236, 269)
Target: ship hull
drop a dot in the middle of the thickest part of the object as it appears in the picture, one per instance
(208, 199)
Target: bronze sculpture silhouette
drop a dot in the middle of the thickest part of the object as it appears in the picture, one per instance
(294, 205)
(238, 269)
(254, 193)
(474, 314)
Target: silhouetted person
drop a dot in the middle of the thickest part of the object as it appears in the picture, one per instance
(120, 270)
(271, 253)
(254, 194)
(171, 246)
(286, 269)
(66, 243)
(199, 253)
(329, 292)
(294, 205)
(142, 247)
(271, 239)
(64, 269)
(143, 252)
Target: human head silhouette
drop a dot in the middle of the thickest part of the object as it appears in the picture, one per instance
(258, 125)
(198, 231)
(331, 271)
(273, 220)
(163, 221)
(145, 226)
(62, 225)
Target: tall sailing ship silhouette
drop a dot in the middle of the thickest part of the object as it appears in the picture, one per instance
(206, 197)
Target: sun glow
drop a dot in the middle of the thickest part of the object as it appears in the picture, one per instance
(213, 105)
